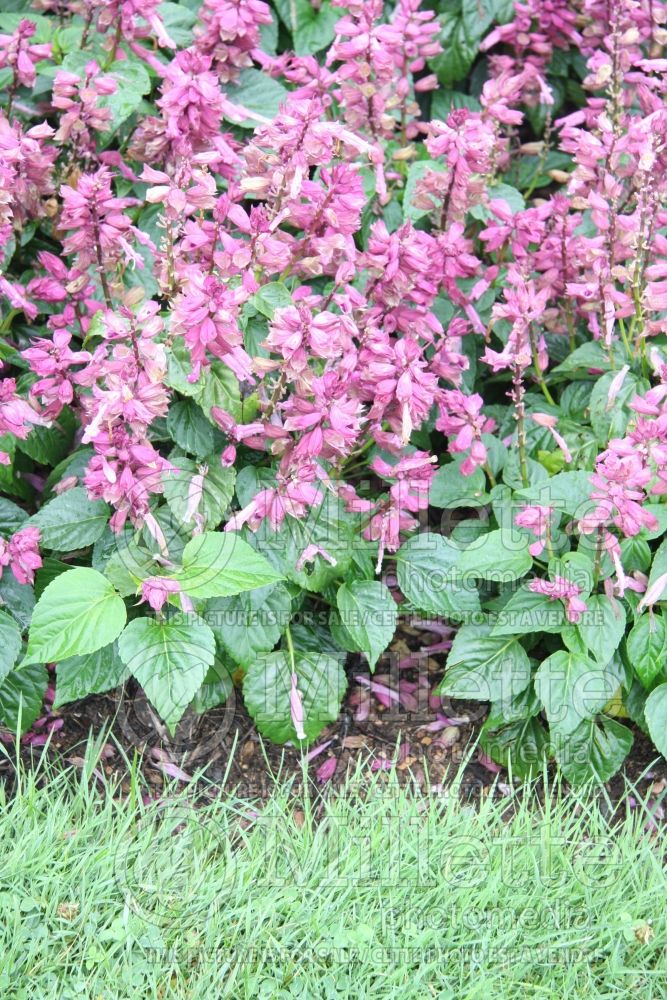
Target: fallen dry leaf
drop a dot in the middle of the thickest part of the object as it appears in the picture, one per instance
(644, 932)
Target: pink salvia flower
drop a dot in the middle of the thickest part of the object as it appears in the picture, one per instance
(326, 770)
(563, 589)
(156, 590)
(296, 708)
(536, 518)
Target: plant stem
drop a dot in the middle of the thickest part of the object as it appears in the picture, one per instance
(492, 478)
(597, 560)
(538, 367)
(290, 648)
(116, 42)
(517, 394)
(100, 259)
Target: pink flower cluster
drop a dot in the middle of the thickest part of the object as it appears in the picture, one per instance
(21, 554)
(355, 295)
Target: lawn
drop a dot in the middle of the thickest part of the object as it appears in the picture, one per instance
(375, 890)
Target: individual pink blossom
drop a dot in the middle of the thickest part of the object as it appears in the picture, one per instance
(156, 590)
(549, 421)
(326, 770)
(17, 416)
(460, 417)
(310, 553)
(296, 708)
(654, 593)
(294, 494)
(562, 589)
(537, 519)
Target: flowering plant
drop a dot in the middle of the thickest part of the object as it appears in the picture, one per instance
(319, 314)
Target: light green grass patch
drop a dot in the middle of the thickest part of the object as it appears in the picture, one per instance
(374, 892)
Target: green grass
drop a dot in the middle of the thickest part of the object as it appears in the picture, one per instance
(376, 892)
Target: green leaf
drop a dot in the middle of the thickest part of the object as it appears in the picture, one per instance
(10, 644)
(567, 491)
(577, 567)
(17, 598)
(521, 746)
(572, 688)
(646, 647)
(266, 693)
(658, 566)
(170, 659)
(505, 192)
(219, 386)
(216, 689)
(79, 676)
(217, 490)
(133, 82)
(523, 705)
(12, 517)
(71, 521)
(500, 555)
(251, 480)
(48, 571)
(655, 712)
(129, 564)
(270, 297)
(526, 613)
(257, 92)
(590, 355)
(459, 50)
(602, 626)
(611, 421)
(312, 27)
(478, 15)
(311, 637)
(451, 489)
(22, 692)
(659, 511)
(268, 34)
(190, 429)
(428, 575)
(250, 623)
(594, 751)
(72, 465)
(220, 564)
(635, 554)
(179, 368)
(504, 11)
(78, 613)
(369, 614)
(484, 667)
(328, 526)
(178, 21)
(512, 471)
(444, 101)
(416, 172)
(49, 445)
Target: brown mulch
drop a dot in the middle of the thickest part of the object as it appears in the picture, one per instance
(226, 745)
